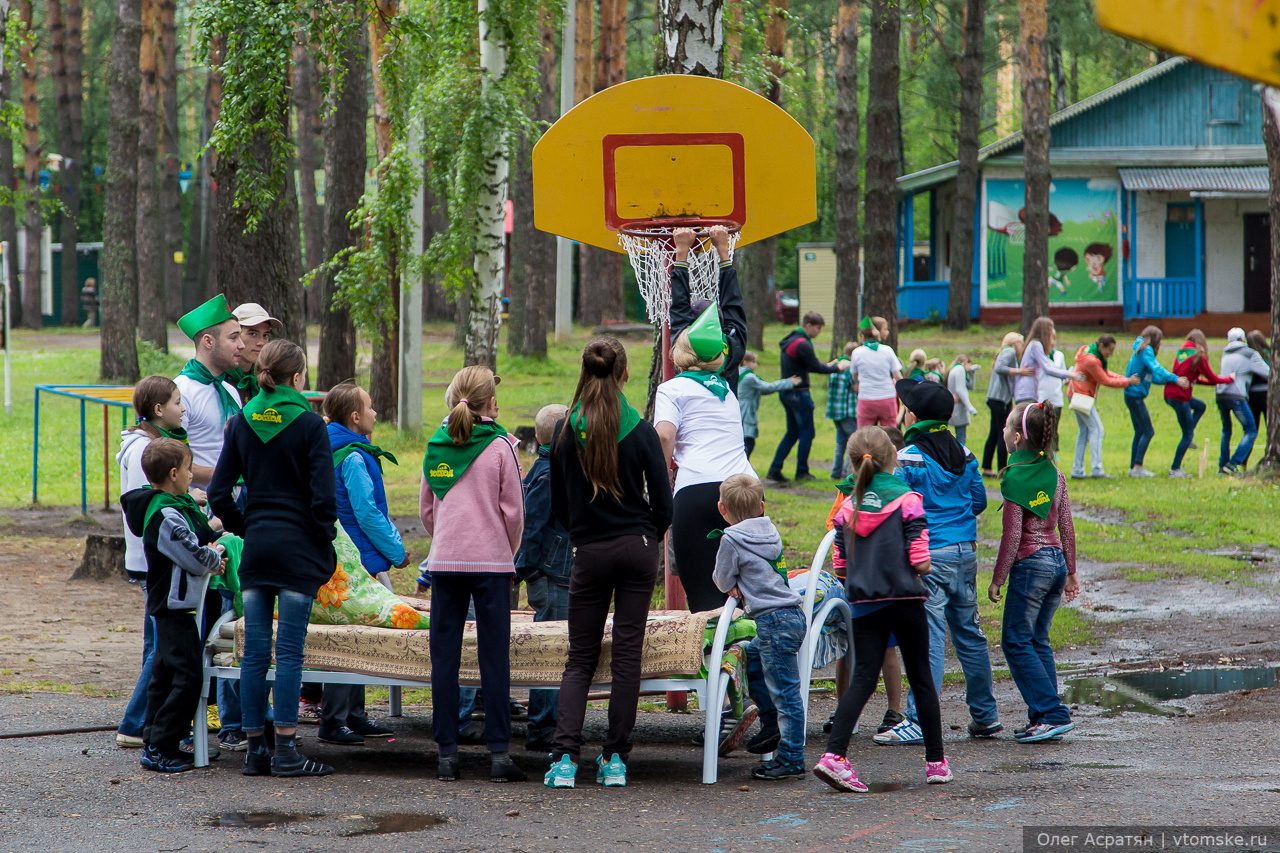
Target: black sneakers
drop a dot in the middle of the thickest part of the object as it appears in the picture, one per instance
(503, 769)
(765, 740)
(777, 770)
(155, 760)
(368, 728)
(447, 771)
(342, 736)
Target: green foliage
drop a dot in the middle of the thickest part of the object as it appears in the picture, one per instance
(152, 360)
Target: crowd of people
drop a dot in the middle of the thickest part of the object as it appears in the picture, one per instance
(229, 474)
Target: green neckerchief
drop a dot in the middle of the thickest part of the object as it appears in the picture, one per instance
(779, 563)
(1185, 352)
(937, 374)
(1030, 480)
(244, 381)
(184, 504)
(883, 490)
(713, 382)
(178, 434)
(545, 448)
(745, 370)
(1093, 350)
(626, 423)
(446, 462)
(872, 345)
(920, 428)
(916, 373)
(270, 412)
(340, 455)
(193, 369)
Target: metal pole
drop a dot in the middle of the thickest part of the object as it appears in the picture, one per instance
(564, 247)
(35, 443)
(106, 458)
(4, 277)
(84, 475)
(409, 396)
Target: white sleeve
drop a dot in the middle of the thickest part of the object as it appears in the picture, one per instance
(894, 364)
(854, 359)
(666, 407)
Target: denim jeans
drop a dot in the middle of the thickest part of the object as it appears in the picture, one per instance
(1035, 590)
(845, 427)
(1143, 431)
(773, 677)
(135, 713)
(260, 602)
(953, 604)
(1240, 408)
(1189, 414)
(799, 408)
(1090, 437)
(468, 697)
(961, 432)
(550, 601)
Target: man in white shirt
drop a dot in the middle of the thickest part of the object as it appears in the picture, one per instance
(209, 398)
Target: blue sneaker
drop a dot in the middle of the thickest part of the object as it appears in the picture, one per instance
(904, 732)
(562, 774)
(611, 773)
(1045, 731)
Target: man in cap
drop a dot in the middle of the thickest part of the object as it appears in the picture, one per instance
(210, 398)
(945, 474)
(256, 328)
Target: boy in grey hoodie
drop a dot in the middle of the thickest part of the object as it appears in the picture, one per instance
(1242, 363)
(751, 568)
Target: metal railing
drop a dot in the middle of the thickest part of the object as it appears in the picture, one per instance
(1166, 297)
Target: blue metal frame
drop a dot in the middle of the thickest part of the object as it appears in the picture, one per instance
(1200, 295)
(63, 391)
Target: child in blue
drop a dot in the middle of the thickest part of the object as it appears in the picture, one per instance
(543, 563)
(362, 509)
(749, 567)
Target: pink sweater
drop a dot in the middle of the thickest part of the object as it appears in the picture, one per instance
(476, 527)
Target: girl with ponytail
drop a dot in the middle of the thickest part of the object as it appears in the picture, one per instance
(1038, 558)
(610, 489)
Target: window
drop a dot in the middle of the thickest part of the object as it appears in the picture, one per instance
(1224, 103)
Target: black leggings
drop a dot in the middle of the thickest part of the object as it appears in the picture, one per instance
(995, 436)
(907, 621)
(695, 515)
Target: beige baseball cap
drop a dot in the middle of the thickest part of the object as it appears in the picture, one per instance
(253, 314)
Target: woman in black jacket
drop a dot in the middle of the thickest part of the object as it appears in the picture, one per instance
(280, 448)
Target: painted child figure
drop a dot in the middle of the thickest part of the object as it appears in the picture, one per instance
(362, 509)
(1096, 256)
(176, 537)
(1064, 261)
(544, 563)
(1038, 558)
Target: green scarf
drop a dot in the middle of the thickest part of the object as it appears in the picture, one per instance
(745, 370)
(713, 382)
(1030, 480)
(883, 490)
(937, 374)
(626, 423)
(178, 434)
(184, 504)
(270, 412)
(916, 373)
(871, 345)
(244, 381)
(193, 369)
(446, 462)
(1185, 352)
(1093, 350)
(340, 455)
(545, 448)
(920, 428)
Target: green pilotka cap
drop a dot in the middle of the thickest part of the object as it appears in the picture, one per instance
(706, 336)
(211, 313)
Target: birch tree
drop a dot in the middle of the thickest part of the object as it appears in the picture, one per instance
(151, 289)
(1035, 145)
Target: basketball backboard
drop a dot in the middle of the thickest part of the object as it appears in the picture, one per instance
(673, 146)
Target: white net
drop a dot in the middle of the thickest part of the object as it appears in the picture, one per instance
(1017, 234)
(651, 255)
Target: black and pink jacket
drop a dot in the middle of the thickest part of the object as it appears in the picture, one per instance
(887, 542)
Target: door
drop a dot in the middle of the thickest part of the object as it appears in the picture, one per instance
(1180, 241)
(1257, 263)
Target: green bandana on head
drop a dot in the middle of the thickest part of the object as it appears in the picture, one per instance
(706, 336)
(340, 455)
(209, 314)
(184, 504)
(193, 369)
(271, 411)
(1030, 480)
(446, 462)
(713, 382)
(920, 428)
(627, 421)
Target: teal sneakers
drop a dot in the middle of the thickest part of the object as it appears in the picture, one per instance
(611, 774)
(561, 774)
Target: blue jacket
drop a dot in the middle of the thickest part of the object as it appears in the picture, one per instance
(1144, 365)
(544, 547)
(954, 495)
(362, 504)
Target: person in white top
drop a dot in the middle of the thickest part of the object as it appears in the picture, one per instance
(210, 399)
(1050, 387)
(875, 367)
(960, 378)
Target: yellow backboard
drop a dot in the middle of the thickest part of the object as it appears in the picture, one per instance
(670, 146)
(1240, 36)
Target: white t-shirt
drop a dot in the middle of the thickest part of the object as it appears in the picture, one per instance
(709, 446)
(1049, 388)
(132, 443)
(203, 420)
(873, 369)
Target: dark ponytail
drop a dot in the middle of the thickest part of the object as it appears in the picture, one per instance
(604, 364)
(278, 362)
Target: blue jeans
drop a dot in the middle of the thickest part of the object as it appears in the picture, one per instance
(1143, 431)
(260, 602)
(1239, 408)
(845, 427)
(135, 713)
(773, 678)
(962, 432)
(550, 602)
(799, 408)
(1088, 438)
(1189, 415)
(1035, 590)
(953, 604)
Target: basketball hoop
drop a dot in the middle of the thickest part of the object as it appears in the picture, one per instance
(652, 249)
(1017, 234)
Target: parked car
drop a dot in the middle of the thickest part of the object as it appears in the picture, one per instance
(786, 306)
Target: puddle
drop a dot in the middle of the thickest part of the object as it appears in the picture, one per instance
(887, 787)
(386, 824)
(1098, 765)
(257, 820)
(1027, 768)
(350, 825)
(1147, 692)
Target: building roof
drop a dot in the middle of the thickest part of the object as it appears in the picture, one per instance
(1225, 179)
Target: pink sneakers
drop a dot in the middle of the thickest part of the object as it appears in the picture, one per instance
(837, 772)
(936, 772)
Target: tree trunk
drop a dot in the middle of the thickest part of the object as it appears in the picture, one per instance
(437, 305)
(881, 293)
(194, 263)
(151, 289)
(119, 288)
(31, 307)
(8, 178)
(208, 269)
(1035, 131)
(384, 369)
(345, 138)
(1060, 99)
(1271, 136)
(959, 308)
(584, 77)
(306, 112)
(844, 325)
(69, 147)
(170, 162)
(692, 37)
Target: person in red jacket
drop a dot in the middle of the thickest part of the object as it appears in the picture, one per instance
(1192, 362)
(1091, 362)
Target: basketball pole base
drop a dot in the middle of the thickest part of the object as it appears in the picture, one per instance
(673, 591)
